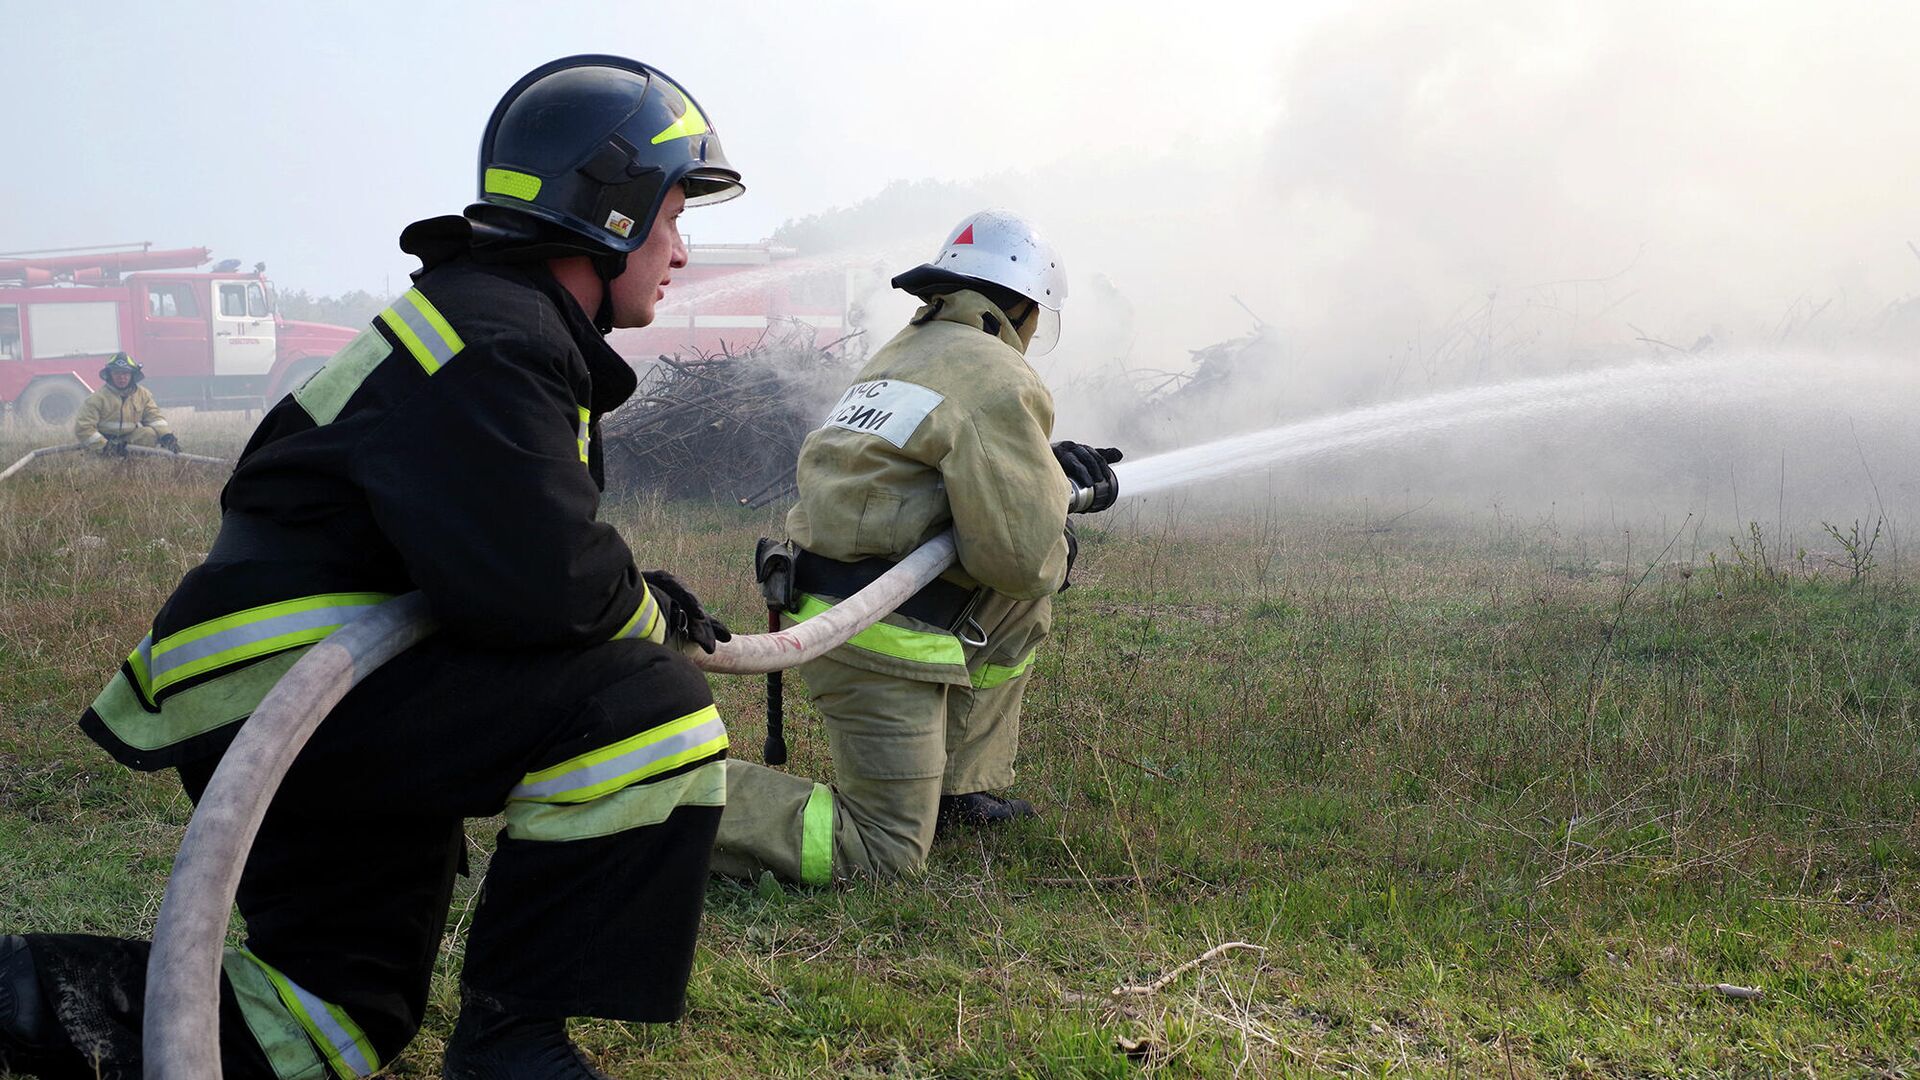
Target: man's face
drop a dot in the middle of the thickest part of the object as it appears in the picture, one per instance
(121, 379)
(636, 291)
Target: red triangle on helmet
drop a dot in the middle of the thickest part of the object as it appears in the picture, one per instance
(966, 235)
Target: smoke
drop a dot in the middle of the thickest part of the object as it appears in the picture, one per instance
(1458, 195)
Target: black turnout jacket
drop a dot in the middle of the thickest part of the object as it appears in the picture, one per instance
(451, 448)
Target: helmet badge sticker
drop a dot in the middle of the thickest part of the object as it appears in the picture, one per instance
(619, 224)
(965, 237)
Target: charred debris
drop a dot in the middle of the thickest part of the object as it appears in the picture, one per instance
(726, 426)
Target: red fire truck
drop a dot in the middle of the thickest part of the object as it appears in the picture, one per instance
(730, 296)
(208, 339)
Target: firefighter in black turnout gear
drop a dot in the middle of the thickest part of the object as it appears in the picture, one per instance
(450, 448)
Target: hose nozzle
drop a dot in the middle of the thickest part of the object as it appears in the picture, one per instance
(1080, 499)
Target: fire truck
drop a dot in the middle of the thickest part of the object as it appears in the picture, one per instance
(209, 339)
(730, 297)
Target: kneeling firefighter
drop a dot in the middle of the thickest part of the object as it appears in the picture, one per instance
(122, 413)
(450, 448)
(946, 426)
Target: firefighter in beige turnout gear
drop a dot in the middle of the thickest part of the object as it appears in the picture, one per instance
(122, 412)
(946, 426)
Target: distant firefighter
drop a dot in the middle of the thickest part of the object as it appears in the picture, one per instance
(122, 413)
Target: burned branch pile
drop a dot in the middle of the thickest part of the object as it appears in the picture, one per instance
(727, 426)
(1156, 408)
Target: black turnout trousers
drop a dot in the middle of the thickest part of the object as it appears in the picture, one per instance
(347, 888)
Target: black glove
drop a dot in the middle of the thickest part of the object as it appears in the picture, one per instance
(683, 613)
(114, 448)
(169, 443)
(1073, 552)
(1087, 467)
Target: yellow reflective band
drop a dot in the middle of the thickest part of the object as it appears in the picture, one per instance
(215, 703)
(137, 661)
(342, 1042)
(691, 123)
(245, 635)
(422, 330)
(514, 185)
(289, 1050)
(921, 646)
(634, 807)
(992, 675)
(816, 837)
(645, 622)
(627, 762)
(585, 430)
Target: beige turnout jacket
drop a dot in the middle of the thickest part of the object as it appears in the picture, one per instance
(112, 412)
(945, 426)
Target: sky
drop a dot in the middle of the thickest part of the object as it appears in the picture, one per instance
(309, 135)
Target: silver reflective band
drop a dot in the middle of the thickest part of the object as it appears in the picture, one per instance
(407, 311)
(632, 762)
(172, 658)
(644, 617)
(320, 1015)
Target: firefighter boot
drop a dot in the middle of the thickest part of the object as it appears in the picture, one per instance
(31, 1039)
(983, 808)
(488, 1044)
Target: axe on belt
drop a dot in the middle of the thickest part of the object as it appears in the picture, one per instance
(773, 569)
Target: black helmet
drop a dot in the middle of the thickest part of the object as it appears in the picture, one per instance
(122, 362)
(592, 144)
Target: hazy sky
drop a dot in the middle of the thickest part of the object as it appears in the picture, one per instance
(308, 135)
(1365, 175)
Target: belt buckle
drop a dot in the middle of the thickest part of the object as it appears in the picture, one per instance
(965, 621)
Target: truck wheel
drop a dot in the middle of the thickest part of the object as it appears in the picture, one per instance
(51, 402)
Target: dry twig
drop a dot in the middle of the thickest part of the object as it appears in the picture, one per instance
(1164, 981)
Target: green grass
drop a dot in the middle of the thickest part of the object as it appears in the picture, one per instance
(1492, 801)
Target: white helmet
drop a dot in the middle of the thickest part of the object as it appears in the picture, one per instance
(1000, 248)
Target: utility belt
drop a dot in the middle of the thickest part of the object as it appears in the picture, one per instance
(940, 603)
(248, 537)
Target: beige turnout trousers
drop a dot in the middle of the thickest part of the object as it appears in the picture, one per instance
(898, 744)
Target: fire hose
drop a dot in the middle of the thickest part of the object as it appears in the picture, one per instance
(183, 972)
(148, 451)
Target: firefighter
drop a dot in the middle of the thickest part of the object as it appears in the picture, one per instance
(452, 448)
(122, 413)
(946, 426)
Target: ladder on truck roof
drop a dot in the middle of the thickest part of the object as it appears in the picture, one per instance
(47, 265)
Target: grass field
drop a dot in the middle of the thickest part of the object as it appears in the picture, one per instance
(1488, 799)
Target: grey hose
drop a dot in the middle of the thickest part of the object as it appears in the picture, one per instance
(757, 654)
(182, 1040)
(175, 455)
(67, 448)
(44, 451)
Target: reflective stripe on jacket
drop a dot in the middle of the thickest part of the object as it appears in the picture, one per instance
(111, 412)
(946, 425)
(448, 448)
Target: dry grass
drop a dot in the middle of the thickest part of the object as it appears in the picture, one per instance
(1494, 801)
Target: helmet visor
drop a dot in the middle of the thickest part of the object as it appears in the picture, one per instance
(708, 186)
(1045, 335)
